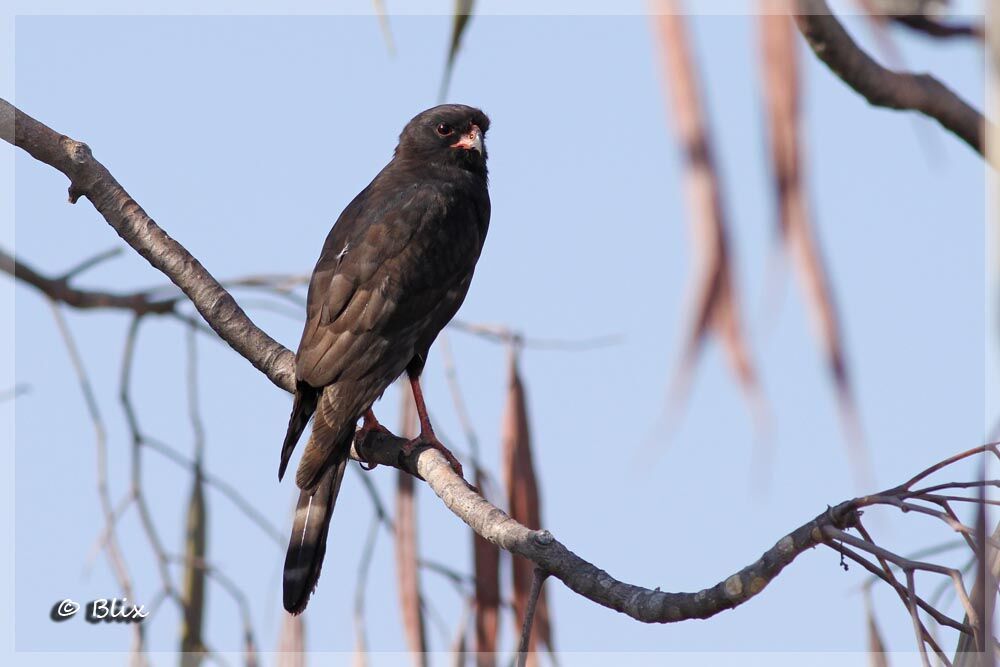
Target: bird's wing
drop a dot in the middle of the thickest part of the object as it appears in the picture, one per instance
(383, 271)
(381, 280)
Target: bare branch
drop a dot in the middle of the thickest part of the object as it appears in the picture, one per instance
(360, 635)
(883, 87)
(502, 334)
(145, 516)
(19, 389)
(223, 487)
(537, 579)
(90, 179)
(110, 543)
(91, 262)
(934, 28)
(58, 289)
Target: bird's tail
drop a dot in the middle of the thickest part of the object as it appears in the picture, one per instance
(307, 545)
(303, 408)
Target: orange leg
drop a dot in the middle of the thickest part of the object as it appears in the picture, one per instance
(370, 423)
(427, 436)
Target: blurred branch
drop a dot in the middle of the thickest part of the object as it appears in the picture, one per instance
(406, 549)
(91, 262)
(111, 545)
(934, 28)
(883, 87)
(19, 389)
(364, 565)
(139, 497)
(502, 334)
(59, 289)
(227, 490)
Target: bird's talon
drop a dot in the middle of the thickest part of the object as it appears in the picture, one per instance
(434, 443)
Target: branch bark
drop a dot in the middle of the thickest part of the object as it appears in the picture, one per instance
(883, 87)
(584, 578)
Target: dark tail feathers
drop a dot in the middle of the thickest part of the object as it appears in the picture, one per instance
(302, 409)
(307, 545)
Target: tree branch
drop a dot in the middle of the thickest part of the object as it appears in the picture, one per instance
(539, 546)
(89, 178)
(883, 87)
(59, 289)
(934, 28)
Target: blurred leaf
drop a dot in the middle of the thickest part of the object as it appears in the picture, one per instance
(291, 641)
(383, 23)
(780, 70)
(407, 558)
(360, 658)
(714, 306)
(459, 647)
(486, 563)
(364, 565)
(524, 504)
(250, 658)
(193, 590)
(459, 22)
(970, 651)
(876, 647)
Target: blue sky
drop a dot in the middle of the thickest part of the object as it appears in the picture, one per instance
(245, 136)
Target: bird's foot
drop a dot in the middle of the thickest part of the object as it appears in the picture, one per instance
(369, 424)
(431, 440)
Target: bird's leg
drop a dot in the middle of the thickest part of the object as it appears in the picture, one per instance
(369, 424)
(427, 436)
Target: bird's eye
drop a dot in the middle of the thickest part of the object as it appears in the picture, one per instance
(444, 129)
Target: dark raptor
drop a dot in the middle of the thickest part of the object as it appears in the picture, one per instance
(393, 271)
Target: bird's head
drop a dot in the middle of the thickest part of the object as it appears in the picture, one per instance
(451, 134)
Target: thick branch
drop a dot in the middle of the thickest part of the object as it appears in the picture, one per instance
(90, 179)
(539, 546)
(883, 87)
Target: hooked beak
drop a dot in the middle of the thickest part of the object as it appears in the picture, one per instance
(471, 140)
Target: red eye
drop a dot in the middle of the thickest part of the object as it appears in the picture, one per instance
(444, 129)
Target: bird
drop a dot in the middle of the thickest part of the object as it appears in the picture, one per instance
(393, 271)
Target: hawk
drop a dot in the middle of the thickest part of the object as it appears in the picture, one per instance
(393, 271)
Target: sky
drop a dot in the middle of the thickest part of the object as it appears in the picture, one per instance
(244, 137)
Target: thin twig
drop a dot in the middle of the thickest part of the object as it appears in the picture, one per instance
(364, 565)
(223, 487)
(505, 335)
(90, 263)
(111, 545)
(537, 579)
(145, 516)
